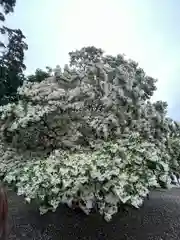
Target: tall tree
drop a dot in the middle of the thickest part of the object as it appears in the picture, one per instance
(7, 7)
(11, 57)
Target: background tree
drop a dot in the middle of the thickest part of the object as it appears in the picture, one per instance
(40, 75)
(80, 59)
(11, 57)
(7, 6)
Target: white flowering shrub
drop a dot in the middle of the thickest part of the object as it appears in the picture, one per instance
(105, 178)
(88, 135)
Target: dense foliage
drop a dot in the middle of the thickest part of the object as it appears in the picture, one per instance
(40, 75)
(11, 57)
(88, 135)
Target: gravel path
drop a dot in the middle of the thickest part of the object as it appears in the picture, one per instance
(158, 219)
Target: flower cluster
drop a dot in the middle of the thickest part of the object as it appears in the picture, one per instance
(118, 173)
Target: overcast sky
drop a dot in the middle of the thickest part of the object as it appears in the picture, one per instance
(145, 30)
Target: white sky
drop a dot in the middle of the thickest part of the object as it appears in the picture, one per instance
(145, 30)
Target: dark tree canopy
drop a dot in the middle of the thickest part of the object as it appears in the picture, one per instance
(40, 75)
(11, 57)
(8, 5)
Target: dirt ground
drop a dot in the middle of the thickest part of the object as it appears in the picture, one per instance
(158, 219)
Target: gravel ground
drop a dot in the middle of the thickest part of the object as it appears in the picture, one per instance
(158, 219)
